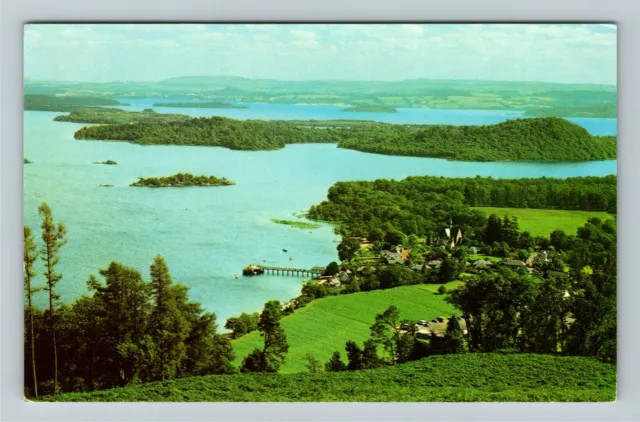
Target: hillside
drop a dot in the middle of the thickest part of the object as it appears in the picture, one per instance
(533, 139)
(448, 378)
(325, 325)
(103, 115)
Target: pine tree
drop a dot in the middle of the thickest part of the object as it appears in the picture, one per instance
(30, 256)
(53, 238)
(335, 364)
(453, 337)
(169, 328)
(370, 358)
(354, 354)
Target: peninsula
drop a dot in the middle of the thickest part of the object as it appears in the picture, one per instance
(116, 116)
(182, 180)
(65, 102)
(208, 104)
(370, 108)
(530, 139)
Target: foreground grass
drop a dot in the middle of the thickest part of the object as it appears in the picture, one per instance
(325, 325)
(449, 378)
(541, 222)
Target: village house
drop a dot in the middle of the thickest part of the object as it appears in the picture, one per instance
(482, 264)
(435, 264)
(514, 263)
(397, 255)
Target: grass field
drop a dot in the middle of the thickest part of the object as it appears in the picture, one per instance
(540, 222)
(325, 325)
(449, 378)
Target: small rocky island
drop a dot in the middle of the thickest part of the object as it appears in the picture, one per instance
(182, 180)
(107, 162)
(370, 108)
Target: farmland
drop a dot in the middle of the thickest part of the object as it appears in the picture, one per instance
(326, 324)
(541, 222)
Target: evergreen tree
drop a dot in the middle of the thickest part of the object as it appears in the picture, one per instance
(493, 231)
(30, 256)
(354, 355)
(313, 365)
(370, 357)
(335, 364)
(53, 237)
(169, 329)
(453, 338)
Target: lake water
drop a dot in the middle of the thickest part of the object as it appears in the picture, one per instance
(207, 235)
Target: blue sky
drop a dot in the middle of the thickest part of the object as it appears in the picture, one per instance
(576, 53)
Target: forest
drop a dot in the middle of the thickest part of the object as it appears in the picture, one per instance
(373, 108)
(182, 180)
(64, 102)
(420, 205)
(535, 139)
(207, 104)
(127, 331)
(115, 116)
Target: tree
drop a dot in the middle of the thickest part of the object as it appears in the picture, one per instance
(442, 290)
(168, 327)
(557, 239)
(332, 269)
(30, 256)
(335, 364)
(449, 269)
(354, 355)
(493, 231)
(347, 248)
(53, 237)
(386, 331)
(313, 365)
(370, 357)
(453, 338)
(275, 348)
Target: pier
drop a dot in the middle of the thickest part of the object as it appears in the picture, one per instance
(254, 269)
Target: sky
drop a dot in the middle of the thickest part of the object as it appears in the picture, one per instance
(575, 53)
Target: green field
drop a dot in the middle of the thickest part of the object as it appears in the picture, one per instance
(451, 378)
(541, 222)
(325, 325)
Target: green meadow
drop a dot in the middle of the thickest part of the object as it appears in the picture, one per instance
(492, 377)
(541, 222)
(325, 325)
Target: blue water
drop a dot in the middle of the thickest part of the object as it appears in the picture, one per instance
(207, 235)
(595, 126)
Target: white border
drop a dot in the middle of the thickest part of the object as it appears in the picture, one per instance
(17, 12)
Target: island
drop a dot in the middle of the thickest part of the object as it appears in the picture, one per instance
(105, 186)
(116, 116)
(27, 161)
(528, 139)
(108, 162)
(64, 102)
(182, 180)
(208, 104)
(297, 224)
(370, 108)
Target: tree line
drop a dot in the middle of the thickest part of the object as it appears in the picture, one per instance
(537, 139)
(389, 211)
(127, 331)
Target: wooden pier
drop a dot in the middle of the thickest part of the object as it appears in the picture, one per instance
(255, 269)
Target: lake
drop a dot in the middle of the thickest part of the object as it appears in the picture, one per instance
(207, 235)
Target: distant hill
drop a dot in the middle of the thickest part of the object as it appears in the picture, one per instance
(472, 377)
(411, 93)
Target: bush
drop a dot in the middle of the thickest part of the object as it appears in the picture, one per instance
(442, 290)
